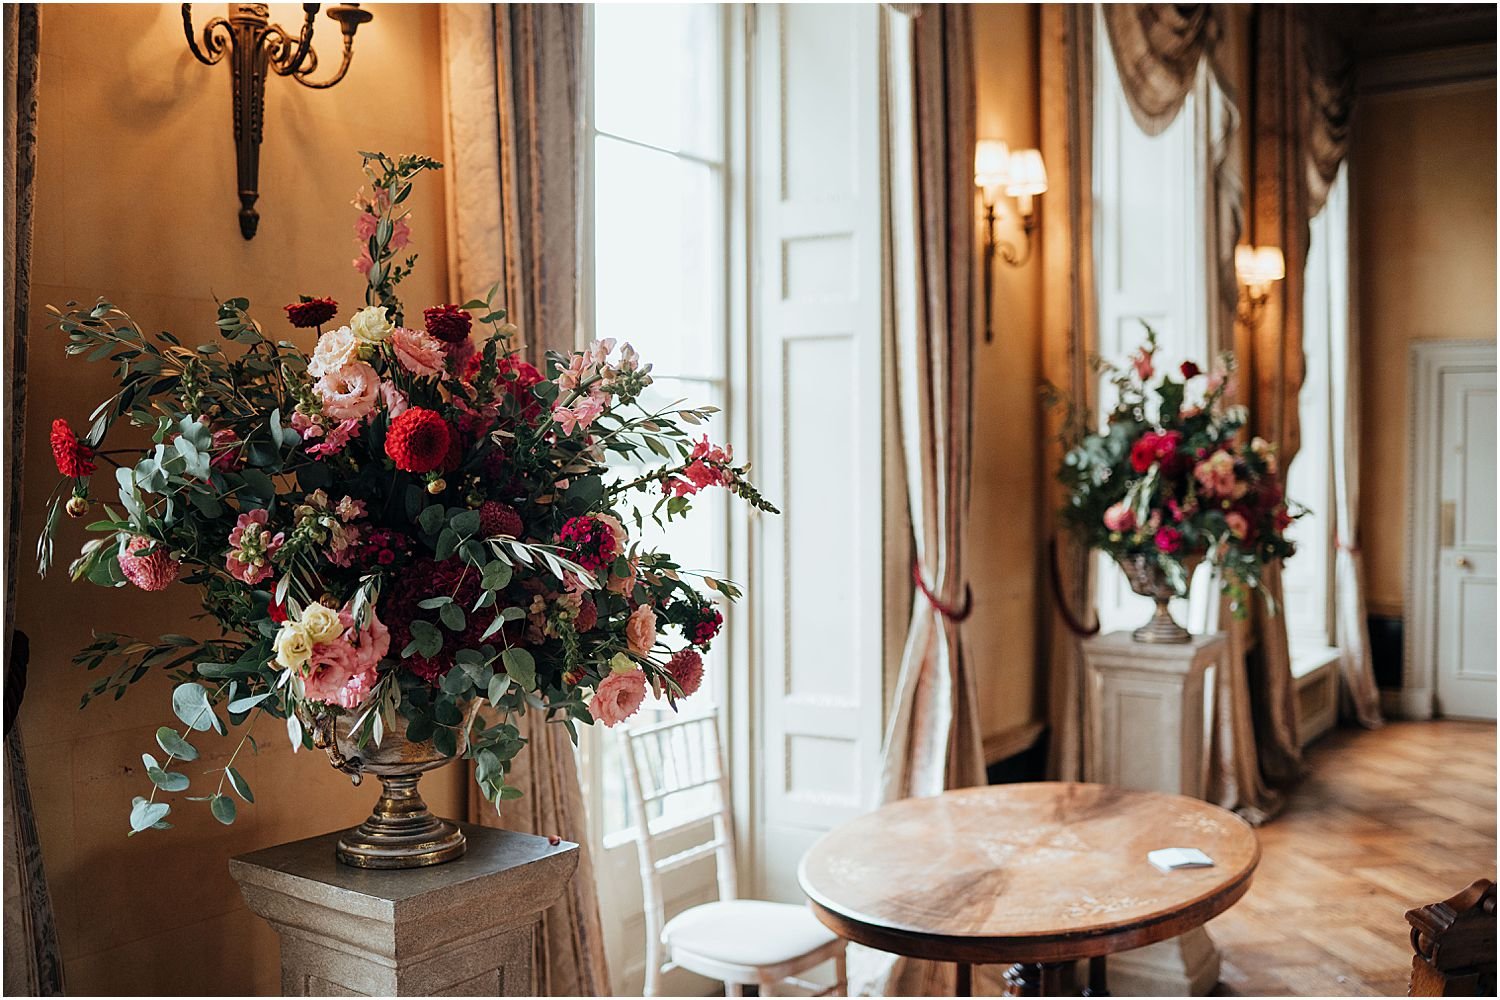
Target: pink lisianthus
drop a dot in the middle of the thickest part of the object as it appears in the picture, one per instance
(419, 352)
(618, 697)
(640, 630)
(251, 546)
(350, 392)
(1119, 518)
(337, 439)
(336, 349)
(343, 671)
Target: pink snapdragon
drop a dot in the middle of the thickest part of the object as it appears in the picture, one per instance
(707, 466)
(336, 440)
(251, 546)
(580, 416)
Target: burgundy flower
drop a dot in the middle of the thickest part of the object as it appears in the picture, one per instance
(309, 312)
(450, 324)
(1190, 370)
(496, 518)
(592, 541)
(702, 631)
(1168, 540)
(73, 457)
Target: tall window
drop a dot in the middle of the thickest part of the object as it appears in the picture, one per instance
(656, 273)
(1308, 579)
(1151, 259)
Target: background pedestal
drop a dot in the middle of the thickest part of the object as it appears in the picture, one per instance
(464, 928)
(1149, 710)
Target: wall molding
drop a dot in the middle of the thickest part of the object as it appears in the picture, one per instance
(1430, 361)
(1448, 67)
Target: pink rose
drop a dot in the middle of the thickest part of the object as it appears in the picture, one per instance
(350, 392)
(1119, 518)
(618, 697)
(418, 351)
(640, 630)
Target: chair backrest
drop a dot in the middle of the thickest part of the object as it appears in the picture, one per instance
(666, 760)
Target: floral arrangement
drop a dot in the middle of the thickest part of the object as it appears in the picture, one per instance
(1171, 479)
(403, 522)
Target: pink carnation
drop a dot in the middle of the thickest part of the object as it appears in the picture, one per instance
(618, 697)
(418, 351)
(154, 571)
(686, 668)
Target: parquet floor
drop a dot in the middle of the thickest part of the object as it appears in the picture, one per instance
(1386, 820)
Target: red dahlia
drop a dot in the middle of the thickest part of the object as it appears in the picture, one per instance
(450, 324)
(308, 312)
(72, 456)
(496, 518)
(418, 440)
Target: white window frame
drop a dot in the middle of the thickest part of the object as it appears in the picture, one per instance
(1181, 318)
(613, 852)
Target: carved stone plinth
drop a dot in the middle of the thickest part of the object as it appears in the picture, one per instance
(464, 928)
(1149, 708)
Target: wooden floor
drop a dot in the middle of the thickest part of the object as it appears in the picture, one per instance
(1386, 820)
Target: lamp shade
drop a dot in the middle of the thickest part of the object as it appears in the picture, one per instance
(1259, 266)
(991, 164)
(1028, 174)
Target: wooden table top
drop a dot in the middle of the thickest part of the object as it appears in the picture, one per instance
(1045, 872)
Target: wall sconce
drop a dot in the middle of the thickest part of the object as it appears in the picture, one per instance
(1258, 268)
(258, 45)
(1021, 175)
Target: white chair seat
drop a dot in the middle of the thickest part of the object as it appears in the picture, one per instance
(748, 932)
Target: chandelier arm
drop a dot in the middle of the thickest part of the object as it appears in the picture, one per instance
(216, 37)
(312, 68)
(283, 65)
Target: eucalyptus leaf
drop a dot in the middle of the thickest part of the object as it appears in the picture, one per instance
(222, 806)
(175, 745)
(239, 784)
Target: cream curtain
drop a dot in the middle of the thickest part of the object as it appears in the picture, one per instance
(932, 740)
(512, 76)
(1070, 317)
(33, 960)
(1158, 48)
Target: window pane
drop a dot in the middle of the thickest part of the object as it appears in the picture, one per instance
(657, 73)
(659, 257)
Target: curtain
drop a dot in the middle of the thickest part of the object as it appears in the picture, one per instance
(513, 74)
(932, 741)
(1070, 316)
(33, 960)
(1360, 698)
(1158, 48)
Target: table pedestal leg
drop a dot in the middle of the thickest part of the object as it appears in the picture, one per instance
(964, 983)
(1098, 985)
(1024, 979)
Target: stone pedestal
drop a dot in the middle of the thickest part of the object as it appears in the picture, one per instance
(464, 928)
(1150, 709)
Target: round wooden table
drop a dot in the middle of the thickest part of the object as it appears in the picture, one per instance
(1036, 876)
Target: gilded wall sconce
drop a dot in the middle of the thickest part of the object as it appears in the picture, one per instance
(1258, 268)
(255, 45)
(1021, 175)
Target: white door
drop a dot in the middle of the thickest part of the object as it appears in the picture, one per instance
(1466, 554)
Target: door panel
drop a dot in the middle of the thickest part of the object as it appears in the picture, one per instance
(1466, 555)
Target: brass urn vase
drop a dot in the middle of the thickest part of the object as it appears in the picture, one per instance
(1148, 579)
(401, 832)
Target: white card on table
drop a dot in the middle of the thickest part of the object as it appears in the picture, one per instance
(1171, 858)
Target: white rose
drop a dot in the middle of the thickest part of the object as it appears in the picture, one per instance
(321, 623)
(370, 324)
(293, 645)
(335, 349)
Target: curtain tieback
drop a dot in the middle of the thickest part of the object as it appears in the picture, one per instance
(948, 611)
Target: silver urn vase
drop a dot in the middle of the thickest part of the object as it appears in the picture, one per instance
(1148, 579)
